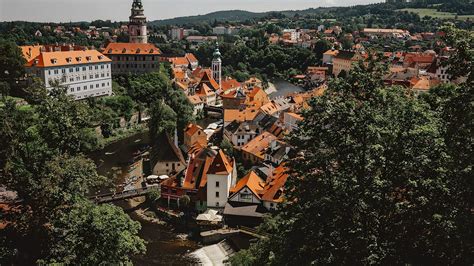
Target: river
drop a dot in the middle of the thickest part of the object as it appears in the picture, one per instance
(164, 246)
(283, 88)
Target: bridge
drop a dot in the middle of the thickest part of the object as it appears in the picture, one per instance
(129, 194)
(214, 109)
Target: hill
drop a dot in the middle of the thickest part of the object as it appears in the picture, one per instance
(228, 15)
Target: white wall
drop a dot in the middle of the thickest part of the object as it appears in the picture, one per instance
(224, 187)
(82, 80)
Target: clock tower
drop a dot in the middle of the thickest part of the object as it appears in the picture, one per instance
(137, 25)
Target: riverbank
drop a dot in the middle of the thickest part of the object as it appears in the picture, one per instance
(121, 134)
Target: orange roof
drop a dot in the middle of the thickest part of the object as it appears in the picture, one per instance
(191, 129)
(252, 181)
(178, 61)
(194, 99)
(206, 77)
(66, 58)
(269, 108)
(191, 58)
(230, 83)
(204, 90)
(273, 190)
(296, 116)
(132, 48)
(178, 73)
(247, 114)
(332, 52)
(31, 51)
(220, 164)
(259, 144)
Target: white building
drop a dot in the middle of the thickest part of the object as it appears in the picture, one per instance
(221, 177)
(85, 73)
(177, 33)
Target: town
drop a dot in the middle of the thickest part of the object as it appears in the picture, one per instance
(226, 133)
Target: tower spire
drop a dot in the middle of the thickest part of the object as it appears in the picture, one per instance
(137, 25)
(217, 65)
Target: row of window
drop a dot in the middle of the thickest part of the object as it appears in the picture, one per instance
(78, 69)
(92, 95)
(135, 58)
(84, 77)
(135, 66)
(72, 89)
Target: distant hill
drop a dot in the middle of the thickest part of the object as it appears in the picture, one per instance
(235, 15)
(229, 15)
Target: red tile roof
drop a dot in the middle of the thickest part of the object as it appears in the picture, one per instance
(132, 48)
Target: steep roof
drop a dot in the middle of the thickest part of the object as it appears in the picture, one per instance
(192, 129)
(252, 181)
(274, 187)
(220, 164)
(167, 151)
(191, 58)
(259, 144)
(67, 58)
(132, 48)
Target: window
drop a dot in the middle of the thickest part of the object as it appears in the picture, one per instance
(84, 77)
(71, 70)
(102, 66)
(78, 88)
(72, 89)
(91, 76)
(84, 69)
(90, 67)
(85, 87)
(97, 85)
(246, 196)
(217, 183)
(63, 71)
(91, 86)
(217, 194)
(217, 204)
(49, 72)
(96, 67)
(77, 69)
(56, 71)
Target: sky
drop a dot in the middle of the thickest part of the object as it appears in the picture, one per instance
(119, 10)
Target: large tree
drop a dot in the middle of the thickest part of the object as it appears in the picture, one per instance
(371, 185)
(11, 63)
(54, 221)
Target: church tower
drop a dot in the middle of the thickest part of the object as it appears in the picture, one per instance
(137, 26)
(217, 66)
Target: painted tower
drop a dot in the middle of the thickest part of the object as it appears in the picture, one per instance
(137, 26)
(217, 65)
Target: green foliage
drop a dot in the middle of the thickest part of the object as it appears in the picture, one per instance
(94, 235)
(227, 147)
(11, 63)
(41, 159)
(377, 180)
(153, 195)
(163, 119)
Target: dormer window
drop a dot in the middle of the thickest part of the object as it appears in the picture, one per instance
(36, 61)
(79, 59)
(124, 50)
(138, 51)
(88, 58)
(100, 57)
(151, 51)
(110, 51)
(54, 61)
(69, 59)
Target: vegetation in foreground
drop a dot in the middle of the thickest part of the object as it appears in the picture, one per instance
(382, 177)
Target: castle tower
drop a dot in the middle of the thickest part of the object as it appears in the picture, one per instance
(137, 25)
(217, 66)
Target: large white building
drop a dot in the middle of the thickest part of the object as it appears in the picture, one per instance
(86, 73)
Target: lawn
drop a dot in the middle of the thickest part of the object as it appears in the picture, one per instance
(422, 12)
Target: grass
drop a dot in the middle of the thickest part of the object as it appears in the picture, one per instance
(422, 12)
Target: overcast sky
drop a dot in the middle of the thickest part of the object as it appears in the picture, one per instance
(119, 10)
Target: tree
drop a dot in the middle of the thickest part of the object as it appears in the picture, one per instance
(41, 160)
(94, 235)
(11, 63)
(370, 184)
(163, 119)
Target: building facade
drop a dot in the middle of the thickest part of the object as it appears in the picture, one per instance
(84, 73)
(133, 58)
